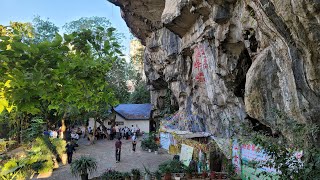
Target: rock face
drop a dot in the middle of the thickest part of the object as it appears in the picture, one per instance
(232, 62)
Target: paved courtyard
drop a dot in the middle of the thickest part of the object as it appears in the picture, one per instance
(104, 152)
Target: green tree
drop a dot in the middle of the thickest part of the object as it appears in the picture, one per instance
(61, 75)
(119, 75)
(43, 30)
(86, 23)
(141, 94)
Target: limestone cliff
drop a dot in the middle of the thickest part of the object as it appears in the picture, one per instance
(232, 61)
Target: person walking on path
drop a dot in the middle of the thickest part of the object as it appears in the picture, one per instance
(134, 142)
(70, 148)
(118, 149)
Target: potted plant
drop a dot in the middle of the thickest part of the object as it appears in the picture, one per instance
(166, 169)
(82, 166)
(157, 175)
(149, 144)
(147, 173)
(136, 174)
(111, 174)
(189, 170)
(204, 174)
(177, 176)
(167, 172)
(126, 176)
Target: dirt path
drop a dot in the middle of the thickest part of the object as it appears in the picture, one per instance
(104, 152)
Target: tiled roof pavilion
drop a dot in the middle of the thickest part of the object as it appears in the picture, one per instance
(134, 111)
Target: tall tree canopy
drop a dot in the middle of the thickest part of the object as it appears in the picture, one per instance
(86, 23)
(65, 73)
(119, 75)
(43, 30)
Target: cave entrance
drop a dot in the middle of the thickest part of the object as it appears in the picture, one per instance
(242, 68)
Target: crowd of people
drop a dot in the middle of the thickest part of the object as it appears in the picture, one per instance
(72, 135)
(119, 133)
(125, 132)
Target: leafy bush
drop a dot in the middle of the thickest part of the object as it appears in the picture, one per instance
(126, 175)
(35, 130)
(136, 174)
(172, 166)
(42, 151)
(39, 159)
(111, 174)
(83, 165)
(16, 169)
(60, 146)
(4, 144)
(149, 143)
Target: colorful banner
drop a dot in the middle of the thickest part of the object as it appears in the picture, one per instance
(250, 153)
(236, 161)
(165, 140)
(186, 154)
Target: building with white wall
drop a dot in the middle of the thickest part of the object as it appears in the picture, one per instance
(130, 114)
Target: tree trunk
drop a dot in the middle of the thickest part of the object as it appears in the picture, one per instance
(20, 132)
(63, 125)
(94, 130)
(86, 133)
(112, 117)
(104, 128)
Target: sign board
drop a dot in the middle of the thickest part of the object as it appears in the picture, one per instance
(253, 153)
(186, 154)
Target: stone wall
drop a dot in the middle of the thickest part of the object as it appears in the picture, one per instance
(232, 61)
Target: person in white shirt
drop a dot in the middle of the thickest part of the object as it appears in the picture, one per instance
(134, 142)
(133, 129)
(89, 130)
(54, 134)
(74, 136)
(117, 131)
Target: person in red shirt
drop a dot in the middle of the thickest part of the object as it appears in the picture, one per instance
(118, 149)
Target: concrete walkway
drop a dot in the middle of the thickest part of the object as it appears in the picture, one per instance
(104, 152)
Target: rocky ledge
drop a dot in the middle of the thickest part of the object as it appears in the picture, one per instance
(231, 62)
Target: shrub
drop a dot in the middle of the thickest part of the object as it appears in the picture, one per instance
(136, 174)
(39, 159)
(172, 166)
(111, 174)
(84, 165)
(35, 130)
(149, 143)
(60, 146)
(42, 151)
(126, 175)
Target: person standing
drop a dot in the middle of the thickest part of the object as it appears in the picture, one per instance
(134, 142)
(117, 129)
(133, 130)
(126, 132)
(70, 148)
(118, 149)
